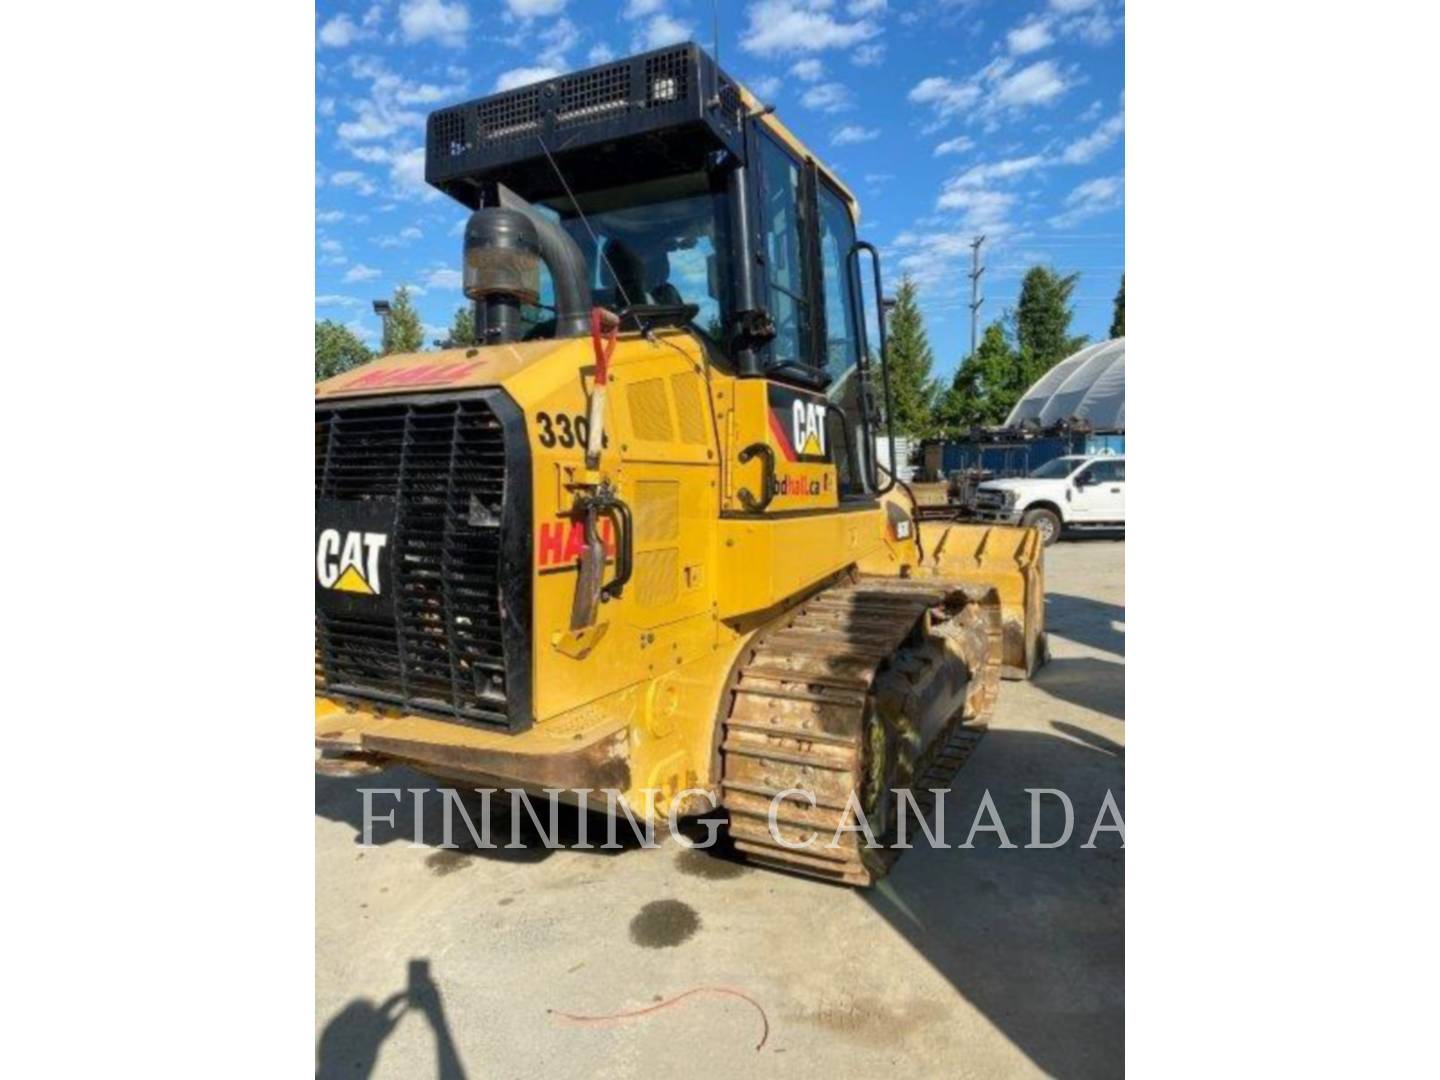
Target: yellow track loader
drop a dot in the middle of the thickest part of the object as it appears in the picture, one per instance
(639, 538)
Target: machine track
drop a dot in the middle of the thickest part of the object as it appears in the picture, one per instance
(803, 715)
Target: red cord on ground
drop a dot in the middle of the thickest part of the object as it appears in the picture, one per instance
(724, 990)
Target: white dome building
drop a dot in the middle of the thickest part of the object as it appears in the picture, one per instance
(1088, 386)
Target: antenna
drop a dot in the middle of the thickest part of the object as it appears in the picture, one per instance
(599, 249)
(715, 47)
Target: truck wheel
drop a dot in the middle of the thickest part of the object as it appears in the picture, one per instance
(1044, 520)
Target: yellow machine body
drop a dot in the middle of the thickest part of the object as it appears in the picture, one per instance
(633, 702)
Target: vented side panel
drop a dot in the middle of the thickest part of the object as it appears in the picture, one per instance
(657, 577)
(657, 511)
(689, 407)
(650, 410)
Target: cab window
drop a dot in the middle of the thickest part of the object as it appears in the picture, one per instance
(837, 236)
(781, 220)
(1104, 472)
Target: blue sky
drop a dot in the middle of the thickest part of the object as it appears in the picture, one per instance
(947, 117)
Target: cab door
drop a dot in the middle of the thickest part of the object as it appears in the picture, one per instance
(793, 444)
(1098, 491)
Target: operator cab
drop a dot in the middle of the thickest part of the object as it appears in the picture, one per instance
(659, 188)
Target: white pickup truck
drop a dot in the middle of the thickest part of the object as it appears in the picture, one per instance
(1066, 493)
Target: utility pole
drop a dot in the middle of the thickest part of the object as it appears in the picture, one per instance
(975, 299)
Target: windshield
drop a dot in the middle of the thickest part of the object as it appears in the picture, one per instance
(1058, 468)
(663, 242)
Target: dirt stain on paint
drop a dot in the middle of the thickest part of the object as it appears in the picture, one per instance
(662, 924)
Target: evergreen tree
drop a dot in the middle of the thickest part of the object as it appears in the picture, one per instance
(337, 350)
(1117, 323)
(403, 332)
(1042, 322)
(986, 386)
(912, 391)
(462, 330)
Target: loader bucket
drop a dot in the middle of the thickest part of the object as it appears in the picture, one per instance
(1009, 559)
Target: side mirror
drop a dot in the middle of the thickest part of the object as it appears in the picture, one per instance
(1082, 480)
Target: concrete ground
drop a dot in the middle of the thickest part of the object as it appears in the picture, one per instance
(982, 962)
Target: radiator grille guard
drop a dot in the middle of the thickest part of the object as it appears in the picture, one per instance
(444, 629)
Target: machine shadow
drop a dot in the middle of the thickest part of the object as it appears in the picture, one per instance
(1086, 621)
(1086, 681)
(1034, 939)
(350, 1044)
(340, 799)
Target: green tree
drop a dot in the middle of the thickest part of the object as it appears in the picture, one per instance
(403, 332)
(337, 350)
(462, 330)
(912, 390)
(1117, 323)
(1042, 322)
(985, 387)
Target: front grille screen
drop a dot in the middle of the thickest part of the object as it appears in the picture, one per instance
(426, 632)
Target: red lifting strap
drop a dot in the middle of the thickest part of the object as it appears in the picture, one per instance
(600, 319)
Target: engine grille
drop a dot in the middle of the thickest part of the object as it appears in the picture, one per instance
(460, 601)
(987, 499)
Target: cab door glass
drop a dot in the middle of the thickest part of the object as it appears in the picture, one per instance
(781, 219)
(837, 236)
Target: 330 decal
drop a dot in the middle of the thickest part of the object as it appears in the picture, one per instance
(562, 429)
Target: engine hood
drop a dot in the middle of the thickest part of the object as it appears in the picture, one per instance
(448, 369)
(1023, 484)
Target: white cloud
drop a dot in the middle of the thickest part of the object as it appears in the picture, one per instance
(1084, 149)
(660, 31)
(808, 70)
(400, 239)
(1029, 37)
(1069, 7)
(342, 32)
(1038, 84)
(351, 178)
(766, 86)
(556, 40)
(389, 108)
(531, 9)
(434, 20)
(330, 217)
(826, 97)
(522, 76)
(407, 173)
(995, 88)
(361, 272)
(979, 176)
(853, 133)
(868, 55)
(1089, 199)
(638, 9)
(945, 96)
(443, 278)
(789, 26)
(858, 8)
(600, 53)
(957, 145)
(336, 300)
